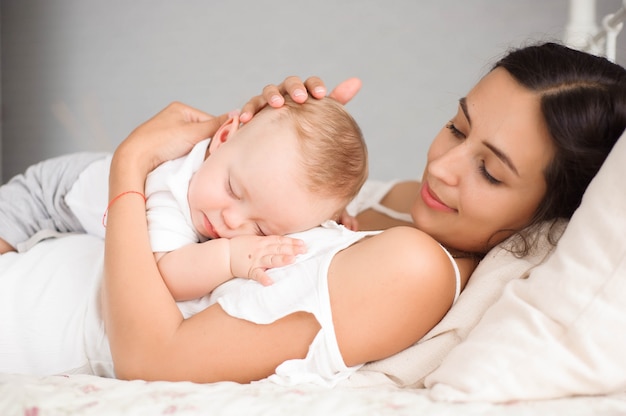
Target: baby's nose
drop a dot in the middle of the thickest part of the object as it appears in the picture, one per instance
(237, 223)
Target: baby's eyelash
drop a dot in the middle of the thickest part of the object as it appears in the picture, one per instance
(229, 189)
(455, 132)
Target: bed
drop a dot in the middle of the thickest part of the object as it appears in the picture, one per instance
(507, 347)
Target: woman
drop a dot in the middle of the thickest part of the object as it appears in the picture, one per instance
(521, 149)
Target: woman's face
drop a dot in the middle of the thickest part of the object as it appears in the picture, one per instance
(484, 176)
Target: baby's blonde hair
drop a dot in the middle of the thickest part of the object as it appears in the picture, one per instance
(334, 152)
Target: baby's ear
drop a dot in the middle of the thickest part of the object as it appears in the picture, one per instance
(225, 132)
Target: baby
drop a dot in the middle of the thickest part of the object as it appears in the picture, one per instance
(285, 171)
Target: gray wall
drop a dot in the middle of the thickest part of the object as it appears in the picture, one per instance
(81, 74)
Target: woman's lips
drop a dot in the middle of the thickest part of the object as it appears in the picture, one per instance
(432, 201)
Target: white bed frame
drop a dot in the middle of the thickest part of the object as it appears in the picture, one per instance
(582, 31)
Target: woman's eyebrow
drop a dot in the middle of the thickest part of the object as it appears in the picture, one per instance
(499, 153)
(502, 156)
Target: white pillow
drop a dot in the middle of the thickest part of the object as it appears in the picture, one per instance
(562, 331)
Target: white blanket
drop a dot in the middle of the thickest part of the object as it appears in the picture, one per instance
(95, 396)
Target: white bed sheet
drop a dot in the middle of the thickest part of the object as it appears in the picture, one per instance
(91, 395)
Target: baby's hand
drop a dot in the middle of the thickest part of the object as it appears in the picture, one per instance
(251, 255)
(348, 221)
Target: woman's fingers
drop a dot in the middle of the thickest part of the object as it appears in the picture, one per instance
(315, 86)
(295, 88)
(253, 106)
(273, 95)
(346, 90)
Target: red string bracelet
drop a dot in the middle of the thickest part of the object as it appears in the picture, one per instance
(104, 224)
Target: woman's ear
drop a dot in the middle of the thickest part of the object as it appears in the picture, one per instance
(225, 132)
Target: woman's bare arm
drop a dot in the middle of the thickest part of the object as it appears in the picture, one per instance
(138, 309)
(379, 309)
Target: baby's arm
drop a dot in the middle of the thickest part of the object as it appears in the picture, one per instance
(195, 270)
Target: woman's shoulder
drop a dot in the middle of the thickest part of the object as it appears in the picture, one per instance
(398, 284)
(412, 251)
(408, 238)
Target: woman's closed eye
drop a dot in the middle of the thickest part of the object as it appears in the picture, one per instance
(481, 168)
(455, 132)
(483, 171)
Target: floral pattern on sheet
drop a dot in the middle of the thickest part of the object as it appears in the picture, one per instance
(89, 395)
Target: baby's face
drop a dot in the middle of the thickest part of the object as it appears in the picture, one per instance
(254, 183)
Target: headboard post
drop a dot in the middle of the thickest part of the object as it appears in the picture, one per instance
(582, 32)
(581, 24)
(612, 24)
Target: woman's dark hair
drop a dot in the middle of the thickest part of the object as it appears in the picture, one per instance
(583, 102)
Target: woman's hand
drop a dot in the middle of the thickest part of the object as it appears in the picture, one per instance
(168, 135)
(299, 91)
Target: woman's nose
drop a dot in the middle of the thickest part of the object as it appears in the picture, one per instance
(448, 167)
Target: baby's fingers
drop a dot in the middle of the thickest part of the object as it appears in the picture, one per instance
(288, 245)
(258, 272)
(348, 221)
(260, 276)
